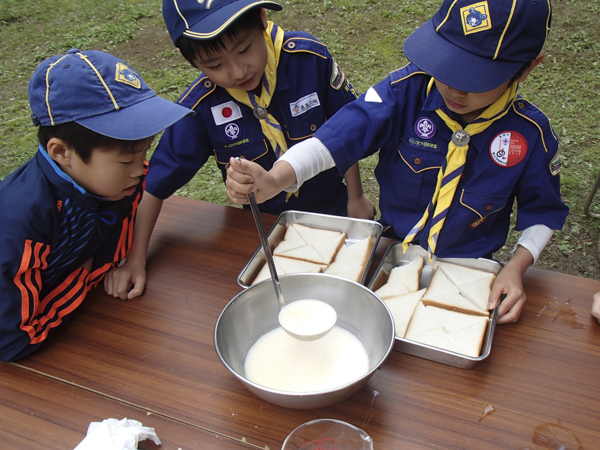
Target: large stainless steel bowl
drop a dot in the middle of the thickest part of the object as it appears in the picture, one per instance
(253, 312)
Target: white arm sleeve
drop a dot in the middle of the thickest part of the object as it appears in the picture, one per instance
(535, 239)
(308, 158)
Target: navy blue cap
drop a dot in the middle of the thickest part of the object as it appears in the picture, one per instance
(476, 46)
(206, 19)
(99, 92)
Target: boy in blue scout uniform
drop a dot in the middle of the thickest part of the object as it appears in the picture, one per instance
(458, 145)
(261, 90)
(66, 215)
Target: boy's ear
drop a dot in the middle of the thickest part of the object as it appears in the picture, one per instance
(534, 63)
(263, 16)
(59, 151)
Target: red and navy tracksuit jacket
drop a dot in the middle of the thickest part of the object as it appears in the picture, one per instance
(49, 227)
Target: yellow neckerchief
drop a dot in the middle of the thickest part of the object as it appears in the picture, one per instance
(449, 174)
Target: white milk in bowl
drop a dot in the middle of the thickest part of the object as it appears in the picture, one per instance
(282, 362)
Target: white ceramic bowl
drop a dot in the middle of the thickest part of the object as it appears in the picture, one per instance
(253, 312)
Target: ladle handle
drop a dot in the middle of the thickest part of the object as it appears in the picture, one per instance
(266, 248)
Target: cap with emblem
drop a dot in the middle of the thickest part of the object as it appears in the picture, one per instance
(476, 46)
(100, 92)
(206, 19)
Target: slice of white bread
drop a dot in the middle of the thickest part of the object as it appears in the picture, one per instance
(351, 260)
(475, 285)
(402, 308)
(410, 273)
(319, 246)
(461, 274)
(392, 288)
(287, 266)
(449, 330)
(442, 293)
(402, 279)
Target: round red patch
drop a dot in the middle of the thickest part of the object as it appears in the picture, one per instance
(226, 112)
(508, 149)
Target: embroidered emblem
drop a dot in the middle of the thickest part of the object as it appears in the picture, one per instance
(226, 112)
(508, 149)
(337, 77)
(425, 128)
(477, 222)
(125, 75)
(304, 104)
(555, 166)
(232, 131)
(59, 205)
(476, 18)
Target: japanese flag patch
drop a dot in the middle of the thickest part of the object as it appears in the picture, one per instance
(508, 149)
(226, 112)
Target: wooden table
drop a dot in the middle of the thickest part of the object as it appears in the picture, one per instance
(153, 359)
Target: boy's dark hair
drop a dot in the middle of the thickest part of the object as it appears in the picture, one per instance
(520, 72)
(84, 141)
(247, 22)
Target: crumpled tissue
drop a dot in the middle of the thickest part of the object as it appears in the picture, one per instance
(113, 434)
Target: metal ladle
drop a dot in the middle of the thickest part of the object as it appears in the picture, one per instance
(305, 334)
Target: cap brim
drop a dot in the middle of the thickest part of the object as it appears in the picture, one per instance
(213, 24)
(454, 66)
(138, 121)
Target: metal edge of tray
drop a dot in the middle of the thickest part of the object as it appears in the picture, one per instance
(337, 223)
(395, 255)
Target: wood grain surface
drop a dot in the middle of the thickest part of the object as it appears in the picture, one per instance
(153, 359)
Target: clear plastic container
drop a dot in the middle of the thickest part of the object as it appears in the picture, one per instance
(327, 433)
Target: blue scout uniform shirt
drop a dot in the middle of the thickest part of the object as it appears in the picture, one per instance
(516, 157)
(49, 227)
(310, 88)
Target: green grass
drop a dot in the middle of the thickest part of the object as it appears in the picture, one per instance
(366, 39)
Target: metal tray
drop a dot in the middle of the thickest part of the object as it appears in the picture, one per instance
(355, 229)
(393, 257)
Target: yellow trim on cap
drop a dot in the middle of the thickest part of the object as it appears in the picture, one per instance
(196, 35)
(48, 88)
(179, 12)
(512, 12)
(447, 16)
(85, 58)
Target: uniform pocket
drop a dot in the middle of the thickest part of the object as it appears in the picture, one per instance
(476, 216)
(304, 126)
(415, 175)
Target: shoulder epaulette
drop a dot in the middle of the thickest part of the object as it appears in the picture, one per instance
(197, 91)
(300, 41)
(407, 71)
(538, 118)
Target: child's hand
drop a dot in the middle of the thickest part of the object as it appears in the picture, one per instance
(596, 306)
(510, 282)
(361, 208)
(245, 176)
(126, 282)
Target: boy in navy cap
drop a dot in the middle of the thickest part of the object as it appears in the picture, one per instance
(66, 215)
(458, 145)
(261, 90)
